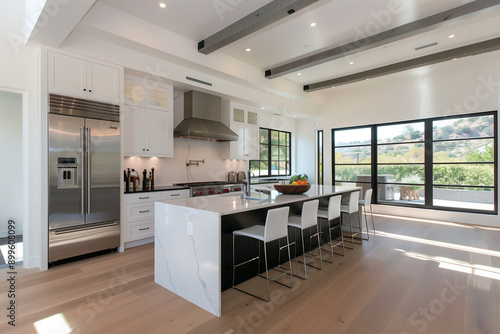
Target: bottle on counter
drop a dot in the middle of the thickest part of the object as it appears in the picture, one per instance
(129, 180)
(144, 180)
(149, 181)
(125, 181)
(152, 178)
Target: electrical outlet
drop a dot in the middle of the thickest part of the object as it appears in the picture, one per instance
(190, 228)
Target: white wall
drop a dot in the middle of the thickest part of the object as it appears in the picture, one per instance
(11, 146)
(19, 73)
(463, 86)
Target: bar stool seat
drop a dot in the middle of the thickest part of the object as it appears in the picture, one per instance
(306, 220)
(332, 213)
(275, 228)
(256, 232)
(350, 208)
(363, 203)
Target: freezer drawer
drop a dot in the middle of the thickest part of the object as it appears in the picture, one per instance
(68, 242)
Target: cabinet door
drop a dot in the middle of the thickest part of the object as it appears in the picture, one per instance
(134, 128)
(67, 75)
(103, 83)
(159, 136)
(237, 148)
(134, 93)
(251, 142)
(159, 96)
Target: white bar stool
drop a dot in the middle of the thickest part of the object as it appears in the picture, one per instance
(307, 219)
(350, 208)
(330, 215)
(275, 228)
(363, 203)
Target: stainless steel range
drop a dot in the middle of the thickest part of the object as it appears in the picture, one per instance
(211, 187)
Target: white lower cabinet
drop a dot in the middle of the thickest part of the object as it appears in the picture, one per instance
(140, 212)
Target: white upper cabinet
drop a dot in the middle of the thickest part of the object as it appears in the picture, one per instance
(149, 94)
(245, 122)
(68, 75)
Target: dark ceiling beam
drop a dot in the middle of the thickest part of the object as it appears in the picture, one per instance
(389, 36)
(262, 17)
(464, 51)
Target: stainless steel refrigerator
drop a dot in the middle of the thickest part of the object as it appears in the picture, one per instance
(84, 177)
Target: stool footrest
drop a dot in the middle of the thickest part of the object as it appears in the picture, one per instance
(247, 261)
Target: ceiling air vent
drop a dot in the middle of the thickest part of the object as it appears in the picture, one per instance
(199, 81)
(425, 46)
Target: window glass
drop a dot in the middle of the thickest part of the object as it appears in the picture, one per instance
(353, 137)
(274, 154)
(465, 127)
(401, 133)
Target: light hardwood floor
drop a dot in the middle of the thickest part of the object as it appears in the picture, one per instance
(411, 277)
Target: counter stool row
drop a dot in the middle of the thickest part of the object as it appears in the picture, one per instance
(276, 228)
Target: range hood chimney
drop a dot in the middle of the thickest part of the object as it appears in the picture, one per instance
(203, 119)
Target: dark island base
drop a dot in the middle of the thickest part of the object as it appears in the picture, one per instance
(247, 248)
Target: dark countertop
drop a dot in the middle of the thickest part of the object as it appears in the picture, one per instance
(157, 188)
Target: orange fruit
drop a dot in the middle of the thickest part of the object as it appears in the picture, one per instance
(299, 182)
(304, 183)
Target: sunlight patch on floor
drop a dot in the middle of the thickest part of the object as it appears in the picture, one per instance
(422, 220)
(439, 244)
(456, 265)
(56, 323)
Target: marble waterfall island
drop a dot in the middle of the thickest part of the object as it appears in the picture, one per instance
(193, 239)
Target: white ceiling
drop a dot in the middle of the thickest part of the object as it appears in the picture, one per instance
(337, 22)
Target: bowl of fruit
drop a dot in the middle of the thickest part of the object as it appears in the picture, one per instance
(298, 185)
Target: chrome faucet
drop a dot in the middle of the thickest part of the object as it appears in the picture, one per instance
(248, 182)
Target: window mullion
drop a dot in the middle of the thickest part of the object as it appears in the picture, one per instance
(429, 164)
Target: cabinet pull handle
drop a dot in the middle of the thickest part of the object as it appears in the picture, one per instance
(144, 229)
(144, 211)
(144, 197)
(172, 195)
(84, 90)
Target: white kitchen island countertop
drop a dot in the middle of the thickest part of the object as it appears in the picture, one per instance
(188, 234)
(229, 204)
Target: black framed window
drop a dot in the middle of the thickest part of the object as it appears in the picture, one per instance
(446, 163)
(319, 154)
(274, 153)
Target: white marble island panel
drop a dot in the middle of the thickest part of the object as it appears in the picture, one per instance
(188, 239)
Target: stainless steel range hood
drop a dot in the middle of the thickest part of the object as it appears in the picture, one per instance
(203, 119)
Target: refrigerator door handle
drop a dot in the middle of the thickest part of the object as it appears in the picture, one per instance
(89, 153)
(82, 147)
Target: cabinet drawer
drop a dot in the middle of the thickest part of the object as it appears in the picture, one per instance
(140, 230)
(172, 194)
(140, 211)
(142, 197)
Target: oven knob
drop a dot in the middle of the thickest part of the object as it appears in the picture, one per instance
(237, 189)
(211, 192)
(226, 190)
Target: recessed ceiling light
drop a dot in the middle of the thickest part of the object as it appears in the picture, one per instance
(162, 5)
(294, 115)
(299, 73)
(261, 108)
(351, 63)
(248, 50)
(454, 58)
(451, 36)
(313, 24)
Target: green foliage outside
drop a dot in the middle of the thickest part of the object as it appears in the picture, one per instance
(473, 150)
